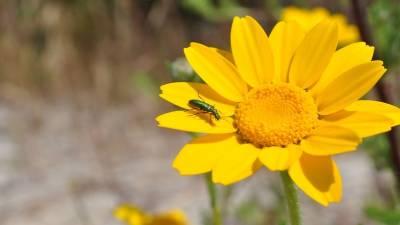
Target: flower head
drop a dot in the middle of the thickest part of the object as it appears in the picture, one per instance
(133, 215)
(308, 18)
(288, 102)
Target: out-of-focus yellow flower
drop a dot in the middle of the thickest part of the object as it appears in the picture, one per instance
(288, 101)
(132, 215)
(173, 217)
(308, 18)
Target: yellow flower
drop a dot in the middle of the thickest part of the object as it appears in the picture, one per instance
(288, 101)
(132, 215)
(309, 18)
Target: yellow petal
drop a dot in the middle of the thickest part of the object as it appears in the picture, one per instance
(313, 54)
(343, 60)
(217, 71)
(252, 51)
(236, 164)
(124, 211)
(131, 214)
(381, 108)
(280, 158)
(285, 38)
(180, 93)
(200, 123)
(226, 54)
(349, 87)
(173, 217)
(318, 177)
(330, 139)
(365, 124)
(201, 154)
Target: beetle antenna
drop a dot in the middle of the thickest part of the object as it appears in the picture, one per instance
(198, 94)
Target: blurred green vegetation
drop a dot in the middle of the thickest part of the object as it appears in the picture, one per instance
(386, 216)
(379, 150)
(385, 18)
(143, 82)
(250, 212)
(225, 10)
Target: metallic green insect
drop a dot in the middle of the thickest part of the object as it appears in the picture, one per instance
(204, 107)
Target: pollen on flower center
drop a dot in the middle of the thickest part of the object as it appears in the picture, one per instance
(276, 115)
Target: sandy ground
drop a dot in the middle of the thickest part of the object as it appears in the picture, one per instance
(69, 165)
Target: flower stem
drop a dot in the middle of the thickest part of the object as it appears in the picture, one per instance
(212, 192)
(292, 199)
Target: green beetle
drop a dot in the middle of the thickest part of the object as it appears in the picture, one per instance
(204, 107)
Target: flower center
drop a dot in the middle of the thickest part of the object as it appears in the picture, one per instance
(276, 115)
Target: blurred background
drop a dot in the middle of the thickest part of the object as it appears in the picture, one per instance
(79, 84)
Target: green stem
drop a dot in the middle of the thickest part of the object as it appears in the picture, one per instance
(292, 199)
(212, 192)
